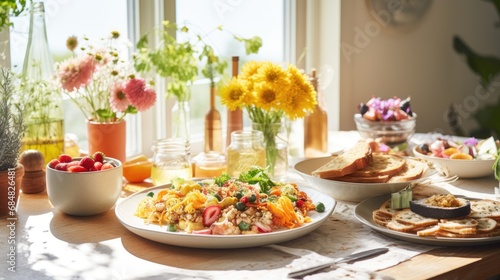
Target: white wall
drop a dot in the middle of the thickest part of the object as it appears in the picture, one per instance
(419, 62)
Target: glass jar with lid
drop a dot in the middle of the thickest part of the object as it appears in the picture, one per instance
(170, 160)
(246, 150)
(209, 165)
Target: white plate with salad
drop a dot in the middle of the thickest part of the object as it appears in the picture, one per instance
(126, 213)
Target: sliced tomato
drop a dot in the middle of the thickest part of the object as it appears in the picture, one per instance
(211, 214)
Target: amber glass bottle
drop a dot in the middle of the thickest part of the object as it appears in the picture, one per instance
(234, 118)
(316, 126)
(213, 126)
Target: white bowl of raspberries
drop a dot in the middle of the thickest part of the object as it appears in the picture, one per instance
(390, 121)
(84, 186)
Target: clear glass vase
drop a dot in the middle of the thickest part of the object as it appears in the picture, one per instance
(276, 144)
(180, 120)
(43, 101)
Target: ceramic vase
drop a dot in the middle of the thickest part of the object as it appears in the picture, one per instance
(108, 137)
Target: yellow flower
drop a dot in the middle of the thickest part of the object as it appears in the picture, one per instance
(72, 43)
(267, 97)
(249, 69)
(301, 96)
(272, 74)
(233, 94)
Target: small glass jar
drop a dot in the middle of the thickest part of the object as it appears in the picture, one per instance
(246, 150)
(209, 165)
(170, 160)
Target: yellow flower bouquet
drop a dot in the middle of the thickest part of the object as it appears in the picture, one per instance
(269, 93)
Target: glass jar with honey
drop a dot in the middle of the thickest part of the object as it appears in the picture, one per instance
(246, 150)
(171, 159)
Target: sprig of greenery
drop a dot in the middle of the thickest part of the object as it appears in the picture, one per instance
(10, 8)
(179, 61)
(11, 121)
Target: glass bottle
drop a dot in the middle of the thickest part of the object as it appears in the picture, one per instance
(234, 117)
(42, 99)
(246, 150)
(316, 126)
(213, 126)
(180, 119)
(170, 160)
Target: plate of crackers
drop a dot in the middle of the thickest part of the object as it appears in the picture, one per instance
(480, 226)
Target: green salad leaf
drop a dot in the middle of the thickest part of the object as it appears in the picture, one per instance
(496, 166)
(222, 179)
(258, 175)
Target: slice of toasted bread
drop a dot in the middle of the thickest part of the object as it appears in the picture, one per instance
(357, 179)
(429, 231)
(386, 209)
(380, 217)
(458, 223)
(381, 165)
(397, 226)
(486, 225)
(412, 170)
(355, 158)
(485, 208)
(407, 217)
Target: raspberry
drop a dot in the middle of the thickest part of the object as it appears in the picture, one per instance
(98, 156)
(65, 158)
(77, 168)
(87, 162)
(53, 163)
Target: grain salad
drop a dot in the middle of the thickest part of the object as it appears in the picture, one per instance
(251, 204)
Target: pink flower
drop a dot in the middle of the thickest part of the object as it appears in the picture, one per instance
(76, 72)
(118, 100)
(140, 96)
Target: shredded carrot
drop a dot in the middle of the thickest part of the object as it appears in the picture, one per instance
(283, 212)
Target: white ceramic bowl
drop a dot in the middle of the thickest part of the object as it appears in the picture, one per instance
(388, 132)
(463, 168)
(347, 191)
(85, 193)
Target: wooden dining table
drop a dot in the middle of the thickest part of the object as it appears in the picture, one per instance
(49, 244)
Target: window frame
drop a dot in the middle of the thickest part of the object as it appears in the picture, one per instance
(165, 10)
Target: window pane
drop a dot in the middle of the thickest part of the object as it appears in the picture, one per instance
(238, 18)
(92, 18)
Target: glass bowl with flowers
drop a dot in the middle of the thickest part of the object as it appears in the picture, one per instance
(389, 121)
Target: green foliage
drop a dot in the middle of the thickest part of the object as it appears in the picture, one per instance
(11, 122)
(487, 68)
(179, 61)
(10, 8)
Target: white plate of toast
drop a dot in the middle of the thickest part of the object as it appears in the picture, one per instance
(358, 173)
(365, 213)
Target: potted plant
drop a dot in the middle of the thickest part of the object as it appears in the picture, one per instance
(180, 62)
(11, 134)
